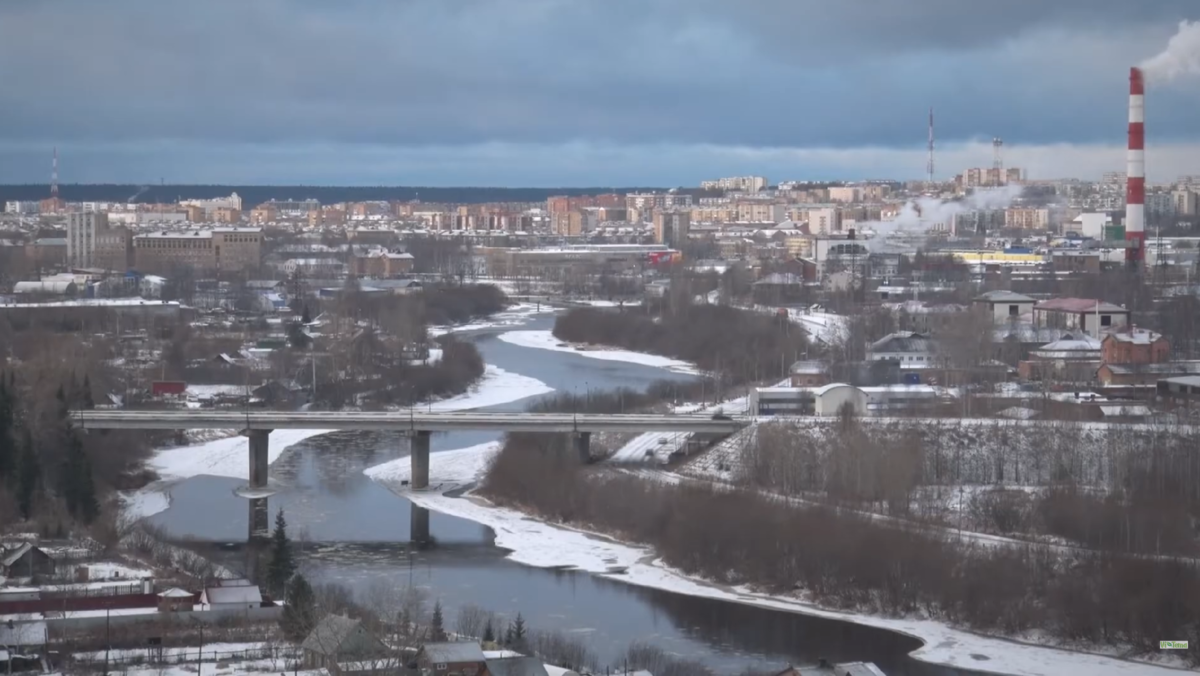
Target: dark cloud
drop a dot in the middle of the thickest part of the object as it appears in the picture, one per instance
(410, 73)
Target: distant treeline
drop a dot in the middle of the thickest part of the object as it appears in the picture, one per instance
(253, 195)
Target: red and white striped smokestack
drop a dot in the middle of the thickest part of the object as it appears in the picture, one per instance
(1135, 189)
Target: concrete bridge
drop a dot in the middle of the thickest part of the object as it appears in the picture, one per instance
(257, 426)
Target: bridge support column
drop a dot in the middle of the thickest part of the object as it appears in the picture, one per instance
(418, 445)
(259, 517)
(418, 532)
(259, 456)
(582, 441)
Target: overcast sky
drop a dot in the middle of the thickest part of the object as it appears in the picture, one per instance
(578, 92)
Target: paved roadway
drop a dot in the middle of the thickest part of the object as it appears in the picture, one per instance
(404, 420)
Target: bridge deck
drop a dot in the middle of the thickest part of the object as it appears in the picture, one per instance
(405, 420)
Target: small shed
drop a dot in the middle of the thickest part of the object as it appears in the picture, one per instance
(176, 600)
(232, 595)
(338, 638)
(456, 657)
(26, 560)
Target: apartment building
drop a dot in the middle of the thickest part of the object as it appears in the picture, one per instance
(228, 215)
(758, 211)
(671, 227)
(1027, 219)
(93, 243)
(646, 204)
(1186, 202)
(748, 184)
(216, 250)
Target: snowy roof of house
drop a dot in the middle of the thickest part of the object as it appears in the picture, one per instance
(23, 634)
(1005, 297)
(824, 389)
(903, 341)
(1165, 368)
(1077, 305)
(233, 594)
(1134, 336)
(1070, 343)
(329, 634)
(453, 652)
(809, 367)
(1124, 411)
(11, 557)
(177, 593)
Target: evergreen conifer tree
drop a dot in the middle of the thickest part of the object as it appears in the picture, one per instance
(29, 471)
(489, 632)
(300, 611)
(436, 629)
(283, 564)
(8, 451)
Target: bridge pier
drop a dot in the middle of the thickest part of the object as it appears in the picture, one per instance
(418, 533)
(418, 450)
(582, 442)
(259, 520)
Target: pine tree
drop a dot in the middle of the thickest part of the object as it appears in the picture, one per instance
(28, 473)
(304, 318)
(300, 611)
(518, 633)
(283, 564)
(76, 481)
(87, 401)
(8, 453)
(436, 630)
(489, 633)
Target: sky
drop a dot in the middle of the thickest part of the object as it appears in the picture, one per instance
(545, 93)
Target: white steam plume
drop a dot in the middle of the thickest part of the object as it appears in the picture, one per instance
(1181, 57)
(920, 215)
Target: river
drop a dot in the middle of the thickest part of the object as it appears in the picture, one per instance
(355, 532)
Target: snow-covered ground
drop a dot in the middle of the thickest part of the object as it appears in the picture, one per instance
(545, 340)
(538, 544)
(496, 387)
(825, 327)
(513, 316)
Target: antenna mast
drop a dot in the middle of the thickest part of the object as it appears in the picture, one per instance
(930, 167)
(998, 160)
(54, 175)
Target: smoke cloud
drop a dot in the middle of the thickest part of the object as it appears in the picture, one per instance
(1180, 58)
(919, 216)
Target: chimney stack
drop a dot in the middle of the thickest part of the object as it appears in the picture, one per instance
(1135, 187)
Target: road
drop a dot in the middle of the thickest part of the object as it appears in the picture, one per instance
(404, 420)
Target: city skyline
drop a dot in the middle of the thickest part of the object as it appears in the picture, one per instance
(545, 93)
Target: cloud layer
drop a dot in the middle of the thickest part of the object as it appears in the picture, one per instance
(566, 92)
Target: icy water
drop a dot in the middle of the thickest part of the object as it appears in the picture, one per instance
(355, 532)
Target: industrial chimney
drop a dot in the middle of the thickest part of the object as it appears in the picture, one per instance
(1135, 187)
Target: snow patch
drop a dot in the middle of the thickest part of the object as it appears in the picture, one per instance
(545, 340)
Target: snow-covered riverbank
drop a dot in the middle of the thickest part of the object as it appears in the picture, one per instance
(539, 544)
(545, 340)
(229, 456)
(515, 315)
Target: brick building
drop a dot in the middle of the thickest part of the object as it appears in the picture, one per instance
(216, 250)
(1135, 346)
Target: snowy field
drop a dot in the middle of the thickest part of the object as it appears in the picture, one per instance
(545, 340)
(513, 316)
(538, 544)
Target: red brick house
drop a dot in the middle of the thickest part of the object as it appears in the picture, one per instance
(1135, 346)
